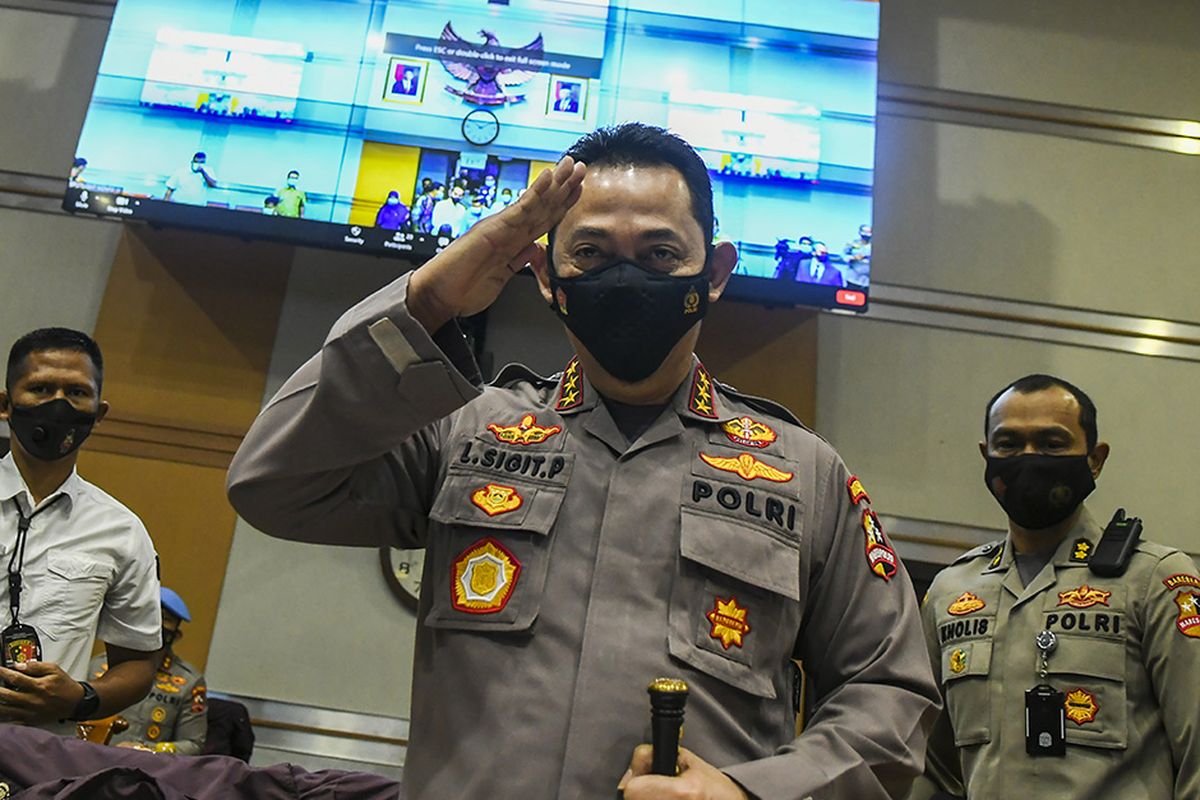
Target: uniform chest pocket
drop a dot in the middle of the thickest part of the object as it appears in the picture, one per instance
(735, 605)
(72, 591)
(486, 561)
(1090, 672)
(964, 672)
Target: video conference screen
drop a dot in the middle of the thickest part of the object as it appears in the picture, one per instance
(392, 126)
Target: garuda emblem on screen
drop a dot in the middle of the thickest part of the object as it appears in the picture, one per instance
(490, 69)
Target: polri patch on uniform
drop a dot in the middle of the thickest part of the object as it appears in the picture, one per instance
(1081, 551)
(1081, 706)
(700, 399)
(749, 432)
(881, 558)
(525, 432)
(966, 603)
(495, 498)
(570, 392)
(747, 467)
(483, 577)
(858, 492)
(728, 620)
(1189, 614)
(1083, 597)
(1181, 579)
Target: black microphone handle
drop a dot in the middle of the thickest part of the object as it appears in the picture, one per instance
(668, 696)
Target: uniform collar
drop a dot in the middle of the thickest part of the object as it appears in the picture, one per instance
(696, 398)
(12, 484)
(1075, 548)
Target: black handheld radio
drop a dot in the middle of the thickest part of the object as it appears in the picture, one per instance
(1116, 546)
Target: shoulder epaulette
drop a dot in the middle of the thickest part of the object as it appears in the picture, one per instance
(512, 373)
(983, 550)
(1155, 549)
(762, 404)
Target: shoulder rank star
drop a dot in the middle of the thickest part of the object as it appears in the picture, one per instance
(527, 431)
(728, 621)
(966, 603)
(749, 432)
(881, 558)
(747, 467)
(700, 399)
(1081, 551)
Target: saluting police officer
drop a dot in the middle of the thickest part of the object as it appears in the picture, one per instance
(1069, 666)
(628, 519)
(173, 718)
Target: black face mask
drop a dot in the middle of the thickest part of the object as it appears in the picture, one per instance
(629, 317)
(50, 431)
(1038, 491)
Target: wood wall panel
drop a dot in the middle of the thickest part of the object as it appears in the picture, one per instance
(187, 326)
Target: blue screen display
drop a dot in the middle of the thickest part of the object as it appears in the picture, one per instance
(392, 126)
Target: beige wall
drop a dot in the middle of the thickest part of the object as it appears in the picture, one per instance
(1053, 223)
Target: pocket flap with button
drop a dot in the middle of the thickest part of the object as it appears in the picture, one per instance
(492, 501)
(1090, 656)
(758, 558)
(76, 567)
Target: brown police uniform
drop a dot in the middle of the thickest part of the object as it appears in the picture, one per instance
(173, 718)
(1127, 661)
(566, 568)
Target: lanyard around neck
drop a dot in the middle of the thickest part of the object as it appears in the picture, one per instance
(16, 562)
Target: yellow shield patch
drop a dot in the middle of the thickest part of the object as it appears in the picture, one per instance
(495, 498)
(484, 577)
(1189, 614)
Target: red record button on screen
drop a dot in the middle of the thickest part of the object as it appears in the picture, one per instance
(846, 297)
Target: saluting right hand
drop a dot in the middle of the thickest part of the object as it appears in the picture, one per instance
(468, 276)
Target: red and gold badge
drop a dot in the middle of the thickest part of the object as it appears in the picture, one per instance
(1189, 614)
(700, 400)
(1181, 579)
(747, 467)
(749, 432)
(1083, 597)
(484, 577)
(881, 558)
(495, 498)
(858, 492)
(527, 431)
(1081, 706)
(199, 699)
(728, 621)
(178, 680)
(570, 392)
(966, 603)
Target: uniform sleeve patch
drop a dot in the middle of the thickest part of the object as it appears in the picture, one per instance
(881, 558)
(1181, 579)
(858, 492)
(1189, 614)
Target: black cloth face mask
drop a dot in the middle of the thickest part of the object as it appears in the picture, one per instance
(1038, 491)
(629, 317)
(50, 431)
